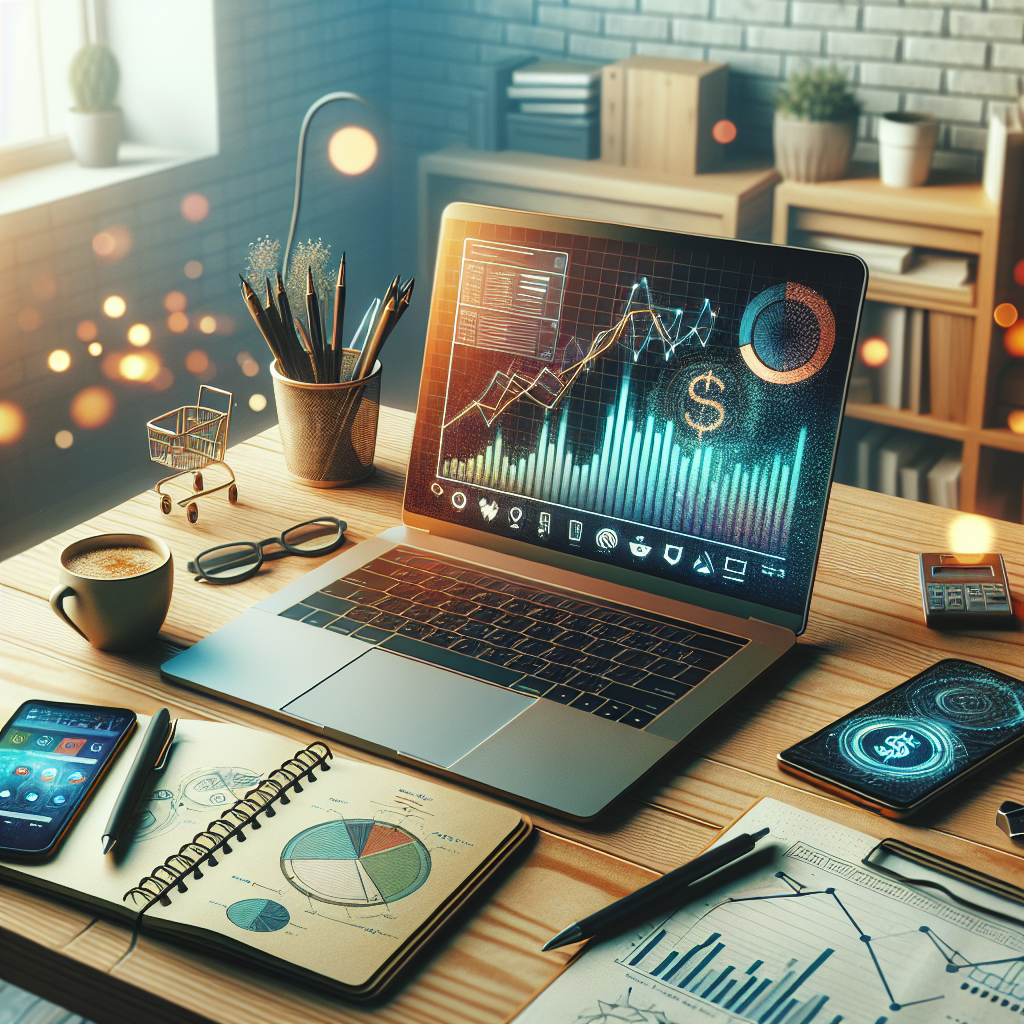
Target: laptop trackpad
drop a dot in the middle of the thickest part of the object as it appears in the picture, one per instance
(410, 707)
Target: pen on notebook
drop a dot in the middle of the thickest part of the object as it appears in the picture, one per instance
(652, 897)
(152, 752)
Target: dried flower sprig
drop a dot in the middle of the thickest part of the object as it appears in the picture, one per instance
(309, 255)
(264, 255)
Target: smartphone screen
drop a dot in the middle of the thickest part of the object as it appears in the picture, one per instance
(904, 746)
(52, 756)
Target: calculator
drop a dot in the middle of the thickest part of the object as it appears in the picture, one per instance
(969, 592)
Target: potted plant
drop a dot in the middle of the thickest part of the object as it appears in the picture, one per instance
(94, 123)
(815, 125)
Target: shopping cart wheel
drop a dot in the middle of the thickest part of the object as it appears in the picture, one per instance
(233, 493)
(165, 504)
(192, 512)
(197, 482)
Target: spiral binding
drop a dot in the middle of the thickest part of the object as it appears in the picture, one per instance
(219, 834)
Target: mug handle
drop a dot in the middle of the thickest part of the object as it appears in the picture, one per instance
(57, 596)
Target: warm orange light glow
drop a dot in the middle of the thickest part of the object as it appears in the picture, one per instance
(874, 352)
(197, 362)
(193, 270)
(723, 131)
(95, 349)
(207, 324)
(257, 402)
(92, 407)
(1005, 314)
(114, 306)
(139, 366)
(12, 422)
(1015, 421)
(175, 302)
(59, 360)
(63, 439)
(970, 534)
(1018, 273)
(250, 367)
(44, 287)
(1013, 340)
(29, 318)
(139, 335)
(195, 207)
(163, 380)
(177, 323)
(352, 150)
(87, 330)
(113, 243)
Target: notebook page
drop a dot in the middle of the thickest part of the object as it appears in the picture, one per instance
(807, 934)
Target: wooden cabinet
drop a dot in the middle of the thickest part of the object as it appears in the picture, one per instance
(955, 217)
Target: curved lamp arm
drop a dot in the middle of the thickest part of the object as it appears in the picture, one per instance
(323, 101)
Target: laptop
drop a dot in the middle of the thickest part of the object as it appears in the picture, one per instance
(623, 450)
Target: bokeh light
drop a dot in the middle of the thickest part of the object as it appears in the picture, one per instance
(139, 366)
(257, 402)
(225, 324)
(175, 302)
(113, 243)
(92, 407)
(197, 362)
(207, 324)
(63, 439)
(874, 352)
(95, 349)
(970, 534)
(59, 360)
(195, 207)
(193, 270)
(352, 150)
(1018, 273)
(87, 330)
(139, 335)
(44, 287)
(29, 318)
(723, 131)
(12, 422)
(1013, 340)
(1005, 314)
(248, 365)
(163, 380)
(1015, 421)
(114, 306)
(177, 323)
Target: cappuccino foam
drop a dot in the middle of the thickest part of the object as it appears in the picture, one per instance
(114, 563)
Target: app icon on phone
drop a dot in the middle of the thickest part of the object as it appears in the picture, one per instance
(70, 745)
(23, 769)
(76, 777)
(48, 774)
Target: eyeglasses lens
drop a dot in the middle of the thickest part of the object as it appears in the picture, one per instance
(314, 536)
(228, 561)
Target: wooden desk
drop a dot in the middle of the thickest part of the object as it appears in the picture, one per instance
(866, 635)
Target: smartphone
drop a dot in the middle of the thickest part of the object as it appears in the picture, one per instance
(52, 758)
(906, 747)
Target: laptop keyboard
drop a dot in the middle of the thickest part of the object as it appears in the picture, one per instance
(600, 658)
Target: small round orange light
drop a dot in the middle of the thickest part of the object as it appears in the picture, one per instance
(1015, 421)
(874, 352)
(86, 330)
(257, 402)
(12, 422)
(1018, 273)
(114, 306)
(197, 362)
(175, 302)
(250, 367)
(59, 360)
(723, 132)
(63, 439)
(163, 380)
(352, 150)
(177, 323)
(195, 207)
(92, 407)
(139, 366)
(1005, 314)
(1013, 340)
(193, 270)
(113, 243)
(207, 324)
(139, 335)
(95, 349)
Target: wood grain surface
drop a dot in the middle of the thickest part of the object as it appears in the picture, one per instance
(866, 634)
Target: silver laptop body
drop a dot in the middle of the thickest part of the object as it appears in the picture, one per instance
(623, 450)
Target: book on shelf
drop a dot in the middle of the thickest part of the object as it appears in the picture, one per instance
(865, 470)
(879, 256)
(332, 873)
(896, 452)
(916, 371)
(914, 474)
(563, 93)
(884, 320)
(559, 109)
(559, 73)
(944, 481)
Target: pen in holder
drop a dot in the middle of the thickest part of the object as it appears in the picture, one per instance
(329, 431)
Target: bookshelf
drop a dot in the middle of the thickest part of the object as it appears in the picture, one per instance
(955, 216)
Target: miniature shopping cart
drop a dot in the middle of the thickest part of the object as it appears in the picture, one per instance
(189, 440)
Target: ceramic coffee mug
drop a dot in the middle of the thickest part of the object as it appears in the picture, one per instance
(114, 613)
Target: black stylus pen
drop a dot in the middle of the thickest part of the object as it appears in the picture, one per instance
(151, 754)
(655, 895)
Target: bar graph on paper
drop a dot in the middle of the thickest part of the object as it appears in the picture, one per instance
(648, 473)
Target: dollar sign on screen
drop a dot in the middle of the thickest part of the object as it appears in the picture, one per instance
(714, 411)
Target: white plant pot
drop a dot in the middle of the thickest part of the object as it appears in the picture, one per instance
(906, 143)
(95, 136)
(813, 150)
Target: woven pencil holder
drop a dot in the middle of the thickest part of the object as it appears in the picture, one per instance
(329, 431)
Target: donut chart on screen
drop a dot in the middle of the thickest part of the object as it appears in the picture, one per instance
(355, 862)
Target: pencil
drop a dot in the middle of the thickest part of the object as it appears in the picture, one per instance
(315, 328)
(308, 349)
(258, 314)
(338, 327)
(274, 318)
(373, 346)
(295, 349)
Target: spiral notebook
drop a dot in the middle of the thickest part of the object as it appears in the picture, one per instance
(327, 871)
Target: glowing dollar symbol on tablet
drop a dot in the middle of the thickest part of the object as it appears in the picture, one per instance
(715, 410)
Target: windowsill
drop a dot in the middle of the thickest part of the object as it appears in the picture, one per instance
(63, 180)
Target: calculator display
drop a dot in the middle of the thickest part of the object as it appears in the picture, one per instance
(904, 746)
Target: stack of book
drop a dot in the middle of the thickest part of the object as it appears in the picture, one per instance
(558, 109)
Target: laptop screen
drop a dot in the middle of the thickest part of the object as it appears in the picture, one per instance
(663, 402)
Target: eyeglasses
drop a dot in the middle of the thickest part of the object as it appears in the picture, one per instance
(233, 563)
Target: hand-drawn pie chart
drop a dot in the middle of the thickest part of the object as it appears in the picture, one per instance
(258, 915)
(355, 862)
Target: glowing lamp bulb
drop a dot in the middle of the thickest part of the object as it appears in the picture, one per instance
(723, 132)
(1015, 421)
(969, 534)
(1013, 340)
(874, 352)
(114, 306)
(352, 150)
(1005, 314)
